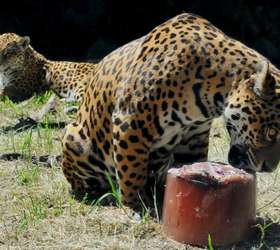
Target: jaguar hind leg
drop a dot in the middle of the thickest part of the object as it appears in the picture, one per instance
(82, 169)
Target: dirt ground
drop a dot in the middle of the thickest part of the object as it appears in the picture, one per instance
(37, 211)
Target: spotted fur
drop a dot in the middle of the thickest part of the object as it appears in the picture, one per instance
(152, 101)
(24, 72)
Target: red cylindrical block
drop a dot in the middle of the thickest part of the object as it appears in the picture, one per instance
(209, 199)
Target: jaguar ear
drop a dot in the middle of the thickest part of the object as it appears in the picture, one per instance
(24, 42)
(263, 82)
(17, 46)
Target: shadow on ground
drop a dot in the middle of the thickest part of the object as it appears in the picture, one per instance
(266, 236)
(43, 160)
(272, 235)
(28, 123)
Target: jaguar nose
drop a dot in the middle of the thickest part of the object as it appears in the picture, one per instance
(238, 157)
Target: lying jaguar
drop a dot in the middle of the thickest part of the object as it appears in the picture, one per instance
(24, 72)
(151, 102)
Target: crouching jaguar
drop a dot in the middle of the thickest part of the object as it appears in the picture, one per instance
(151, 103)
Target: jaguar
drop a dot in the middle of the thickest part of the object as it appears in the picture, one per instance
(25, 72)
(151, 102)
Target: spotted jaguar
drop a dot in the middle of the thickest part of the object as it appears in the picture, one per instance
(25, 72)
(151, 102)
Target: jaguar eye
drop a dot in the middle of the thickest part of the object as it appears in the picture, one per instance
(271, 134)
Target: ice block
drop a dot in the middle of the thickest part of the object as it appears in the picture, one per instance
(209, 199)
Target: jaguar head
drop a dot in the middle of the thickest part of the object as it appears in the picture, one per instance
(252, 117)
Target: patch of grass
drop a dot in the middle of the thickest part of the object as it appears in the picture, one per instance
(28, 175)
(45, 136)
(114, 194)
(26, 144)
(35, 209)
(210, 243)
(41, 99)
(263, 229)
(9, 104)
(84, 206)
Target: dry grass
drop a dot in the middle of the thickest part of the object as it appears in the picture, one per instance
(37, 211)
